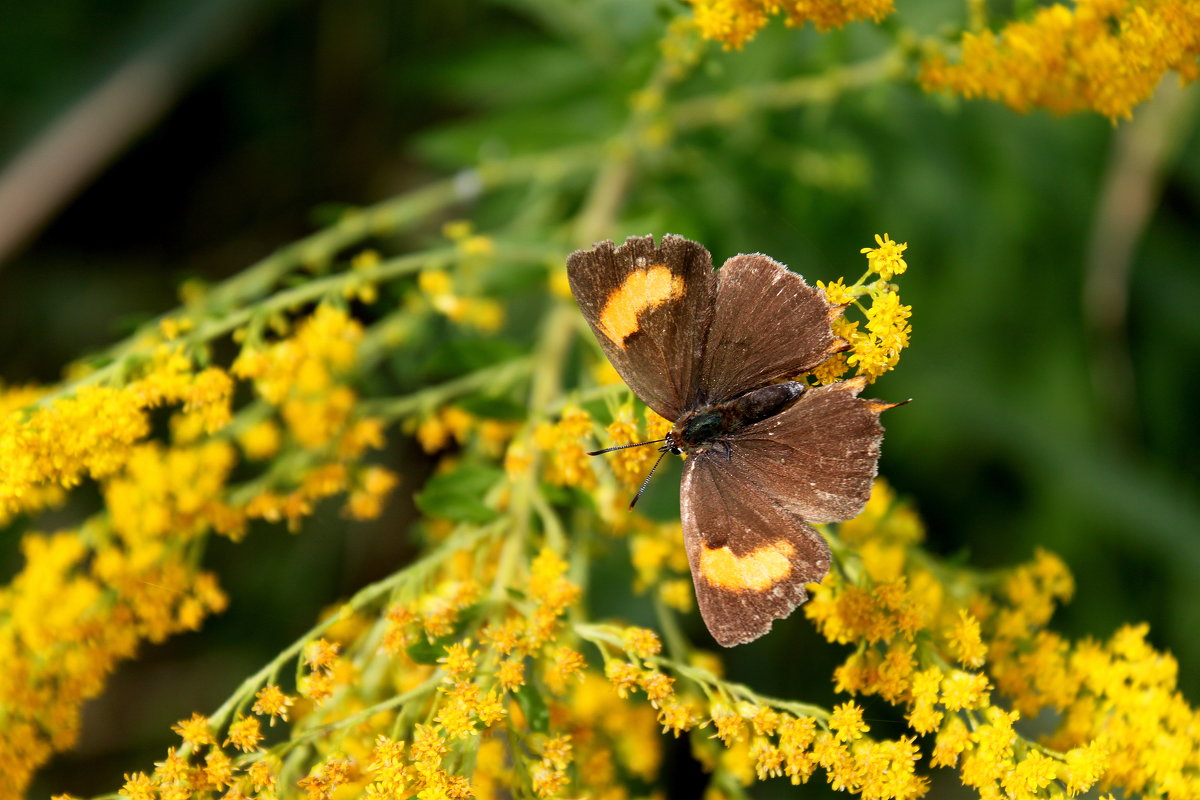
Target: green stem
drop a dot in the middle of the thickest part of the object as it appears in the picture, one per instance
(487, 378)
(211, 329)
(598, 634)
(310, 291)
(677, 644)
(362, 598)
(361, 716)
(721, 109)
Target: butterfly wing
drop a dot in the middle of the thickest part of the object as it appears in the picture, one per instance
(747, 503)
(649, 307)
(767, 324)
(818, 457)
(750, 557)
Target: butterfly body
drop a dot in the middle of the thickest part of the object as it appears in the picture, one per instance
(767, 456)
(699, 429)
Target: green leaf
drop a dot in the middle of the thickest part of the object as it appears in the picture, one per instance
(458, 495)
(425, 651)
(533, 705)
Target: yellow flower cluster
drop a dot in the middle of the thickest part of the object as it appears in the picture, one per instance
(463, 690)
(968, 662)
(877, 349)
(433, 615)
(630, 465)
(326, 670)
(474, 672)
(91, 433)
(86, 599)
(1101, 55)
(168, 493)
(68, 618)
(659, 562)
(734, 22)
(568, 463)
(300, 374)
(464, 696)
(477, 312)
(458, 295)
(758, 741)
(451, 424)
(183, 775)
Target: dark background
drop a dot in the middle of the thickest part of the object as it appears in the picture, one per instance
(1042, 413)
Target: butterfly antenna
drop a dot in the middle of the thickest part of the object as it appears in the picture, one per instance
(646, 482)
(622, 447)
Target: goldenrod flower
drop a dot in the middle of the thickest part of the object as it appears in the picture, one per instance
(658, 687)
(564, 664)
(965, 641)
(262, 775)
(1101, 55)
(728, 724)
(885, 260)
(244, 733)
(676, 717)
(326, 777)
(261, 440)
(734, 22)
(218, 769)
(194, 731)
(511, 674)
(457, 713)
(1033, 773)
(139, 786)
(427, 746)
(678, 594)
(1084, 767)
(847, 723)
(623, 676)
(459, 661)
(272, 702)
(952, 740)
(568, 463)
(547, 781)
(642, 642)
(628, 465)
(557, 751)
(316, 686)
(172, 769)
(837, 293)
(964, 690)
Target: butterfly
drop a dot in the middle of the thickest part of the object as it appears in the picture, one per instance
(766, 456)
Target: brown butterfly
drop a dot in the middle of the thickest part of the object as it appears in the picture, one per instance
(766, 455)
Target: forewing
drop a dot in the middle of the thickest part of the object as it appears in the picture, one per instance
(818, 457)
(649, 307)
(767, 324)
(750, 557)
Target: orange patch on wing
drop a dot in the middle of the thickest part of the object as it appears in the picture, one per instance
(756, 571)
(642, 290)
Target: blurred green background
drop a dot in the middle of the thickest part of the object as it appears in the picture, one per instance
(1054, 368)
